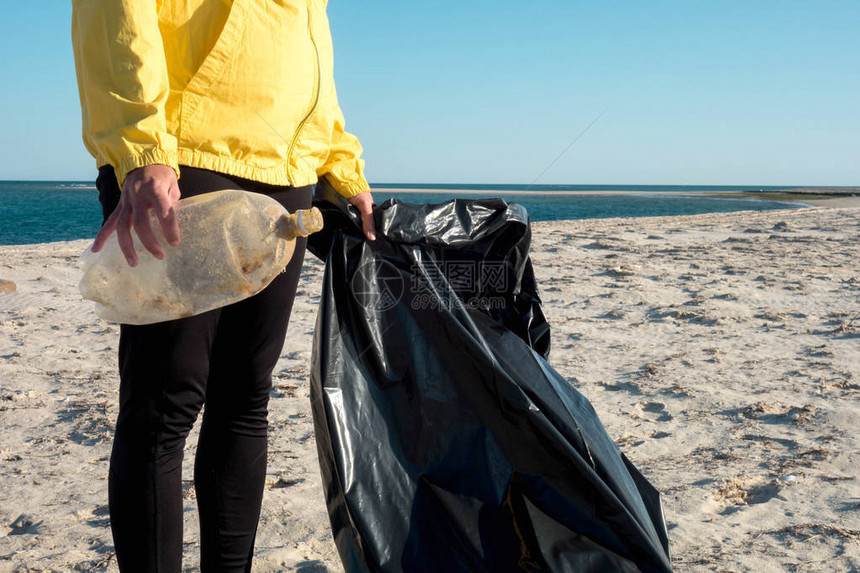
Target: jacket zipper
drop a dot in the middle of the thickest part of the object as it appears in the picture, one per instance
(314, 101)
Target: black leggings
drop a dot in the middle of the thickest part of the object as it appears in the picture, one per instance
(168, 371)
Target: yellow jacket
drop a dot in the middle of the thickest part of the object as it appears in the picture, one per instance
(243, 87)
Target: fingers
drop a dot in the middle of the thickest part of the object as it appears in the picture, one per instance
(105, 232)
(364, 203)
(149, 187)
(163, 210)
(123, 236)
(175, 194)
(140, 221)
(368, 225)
(162, 203)
(170, 227)
(167, 216)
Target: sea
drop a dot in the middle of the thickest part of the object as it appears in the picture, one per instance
(47, 211)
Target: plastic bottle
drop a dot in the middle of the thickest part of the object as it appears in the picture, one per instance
(233, 244)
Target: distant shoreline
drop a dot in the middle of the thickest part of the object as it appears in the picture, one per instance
(840, 191)
(542, 189)
(819, 196)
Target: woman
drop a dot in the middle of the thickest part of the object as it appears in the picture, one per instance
(177, 99)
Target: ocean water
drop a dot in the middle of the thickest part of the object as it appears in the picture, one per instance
(46, 211)
(559, 207)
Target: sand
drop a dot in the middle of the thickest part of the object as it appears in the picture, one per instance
(722, 352)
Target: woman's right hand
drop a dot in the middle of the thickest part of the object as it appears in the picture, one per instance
(149, 187)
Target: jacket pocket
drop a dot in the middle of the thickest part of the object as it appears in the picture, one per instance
(226, 47)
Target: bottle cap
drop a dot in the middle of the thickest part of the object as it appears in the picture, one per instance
(302, 225)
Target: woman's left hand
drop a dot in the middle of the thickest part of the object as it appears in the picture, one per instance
(364, 203)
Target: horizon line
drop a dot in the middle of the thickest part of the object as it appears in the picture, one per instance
(382, 185)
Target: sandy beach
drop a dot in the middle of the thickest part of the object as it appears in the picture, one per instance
(722, 353)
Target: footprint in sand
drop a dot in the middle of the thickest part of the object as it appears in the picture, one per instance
(776, 413)
(654, 411)
(736, 493)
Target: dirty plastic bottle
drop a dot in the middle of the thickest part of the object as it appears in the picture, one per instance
(233, 244)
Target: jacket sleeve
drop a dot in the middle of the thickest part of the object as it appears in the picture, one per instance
(344, 167)
(123, 83)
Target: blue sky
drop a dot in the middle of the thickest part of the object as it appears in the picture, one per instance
(707, 92)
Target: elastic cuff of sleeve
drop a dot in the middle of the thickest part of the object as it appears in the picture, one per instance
(148, 157)
(350, 188)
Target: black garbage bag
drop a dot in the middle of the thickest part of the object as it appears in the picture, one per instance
(447, 442)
